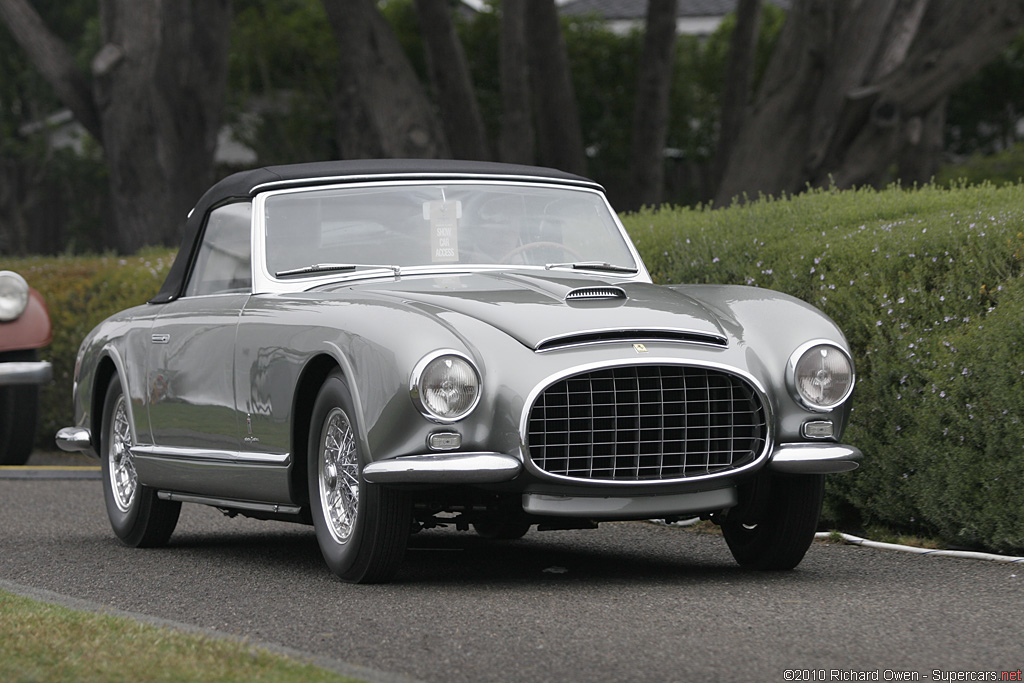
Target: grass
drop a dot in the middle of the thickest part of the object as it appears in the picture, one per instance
(44, 642)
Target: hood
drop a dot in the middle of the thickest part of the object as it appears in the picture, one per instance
(546, 311)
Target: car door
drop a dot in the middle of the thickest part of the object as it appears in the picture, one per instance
(191, 347)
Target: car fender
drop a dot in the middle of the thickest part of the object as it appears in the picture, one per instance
(31, 330)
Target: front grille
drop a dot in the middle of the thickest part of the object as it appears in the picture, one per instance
(646, 423)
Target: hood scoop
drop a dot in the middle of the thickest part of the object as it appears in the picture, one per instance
(631, 336)
(594, 293)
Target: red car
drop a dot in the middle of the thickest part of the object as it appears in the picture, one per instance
(24, 329)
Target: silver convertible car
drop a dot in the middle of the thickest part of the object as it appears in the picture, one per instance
(381, 347)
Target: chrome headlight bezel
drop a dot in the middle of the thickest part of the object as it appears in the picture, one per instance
(796, 386)
(13, 296)
(423, 375)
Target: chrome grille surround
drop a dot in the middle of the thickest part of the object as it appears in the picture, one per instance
(647, 422)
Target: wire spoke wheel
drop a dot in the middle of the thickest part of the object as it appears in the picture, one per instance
(123, 480)
(338, 465)
(137, 515)
(361, 528)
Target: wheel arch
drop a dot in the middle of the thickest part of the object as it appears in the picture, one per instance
(105, 370)
(313, 376)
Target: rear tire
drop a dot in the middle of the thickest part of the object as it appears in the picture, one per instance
(139, 519)
(362, 528)
(780, 536)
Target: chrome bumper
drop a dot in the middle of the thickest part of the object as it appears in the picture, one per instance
(814, 458)
(444, 468)
(74, 439)
(25, 372)
(630, 507)
(491, 468)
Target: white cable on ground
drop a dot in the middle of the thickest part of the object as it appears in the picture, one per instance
(857, 540)
(966, 554)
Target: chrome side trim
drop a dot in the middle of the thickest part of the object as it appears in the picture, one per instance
(73, 439)
(631, 507)
(209, 455)
(814, 458)
(444, 468)
(25, 372)
(769, 416)
(228, 503)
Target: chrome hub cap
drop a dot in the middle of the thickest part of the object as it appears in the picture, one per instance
(338, 467)
(123, 481)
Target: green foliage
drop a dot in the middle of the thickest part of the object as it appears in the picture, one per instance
(44, 642)
(926, 284)
(282, 68)
(983, 113)
(81, 292)
(998, 169)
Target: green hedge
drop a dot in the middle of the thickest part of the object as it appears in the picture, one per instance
(80, 292)
(926, 284)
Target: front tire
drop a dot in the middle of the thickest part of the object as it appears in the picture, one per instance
(139, 519)
(782, 532)
(362, 528)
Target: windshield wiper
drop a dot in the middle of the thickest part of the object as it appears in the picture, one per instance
(333, 267)
(600, 266)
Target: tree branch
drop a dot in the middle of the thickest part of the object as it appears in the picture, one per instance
(53, 60)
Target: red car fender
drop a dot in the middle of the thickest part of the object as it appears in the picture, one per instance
(31, 330)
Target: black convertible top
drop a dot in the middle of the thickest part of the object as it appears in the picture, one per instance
(246, 184)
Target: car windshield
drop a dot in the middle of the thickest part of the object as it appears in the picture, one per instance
(348, 229)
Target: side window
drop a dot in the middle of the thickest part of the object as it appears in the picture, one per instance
(223, 264)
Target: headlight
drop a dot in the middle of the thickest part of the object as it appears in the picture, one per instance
(13, 295)
(445, 386)
(820, 375)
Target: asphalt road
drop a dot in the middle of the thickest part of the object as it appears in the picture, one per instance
(626, 602)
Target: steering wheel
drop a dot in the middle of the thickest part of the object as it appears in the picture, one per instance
(530, 246)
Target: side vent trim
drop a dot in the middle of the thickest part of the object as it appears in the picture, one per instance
(631, 336)
(590, 293)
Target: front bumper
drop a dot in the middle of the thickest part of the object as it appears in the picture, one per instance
(493, 468)
(444, 468)
(25, 372)
(73, 439)
(814, 458)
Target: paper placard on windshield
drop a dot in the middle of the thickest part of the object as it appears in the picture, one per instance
(444, 229)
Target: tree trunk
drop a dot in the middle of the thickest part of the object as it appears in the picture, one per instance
(453, 85)
(159, 82)
(156, 98)
(739, 78)
(382, 109)
(517, 138)
(559, 136)
(651, 109)
(846, 81)
(921, 151)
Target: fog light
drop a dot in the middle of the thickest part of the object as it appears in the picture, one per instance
(821, 429)
(444, 441)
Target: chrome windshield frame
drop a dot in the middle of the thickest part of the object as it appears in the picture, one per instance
(266, 282)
